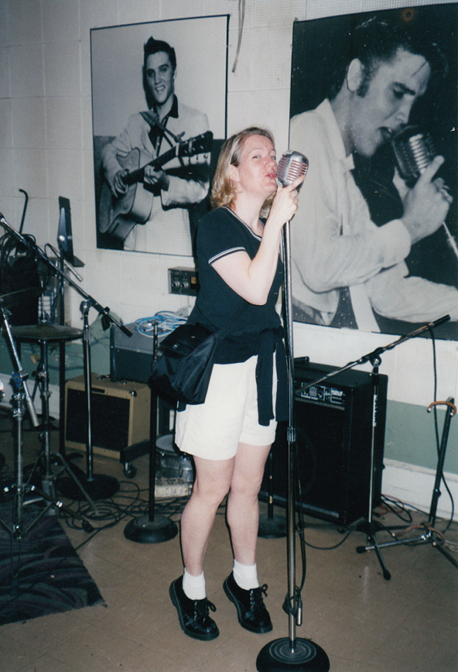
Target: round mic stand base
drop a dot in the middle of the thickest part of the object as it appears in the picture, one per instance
(100, 486)
(291, 653)
(279, 656)
(151, 528)
(146, 531)
(272, 527)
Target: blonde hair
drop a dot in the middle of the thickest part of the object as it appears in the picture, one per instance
(223, 190)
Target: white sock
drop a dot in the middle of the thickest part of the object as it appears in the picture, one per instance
(246, 576)
(194, 586)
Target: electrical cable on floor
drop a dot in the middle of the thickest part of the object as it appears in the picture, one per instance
(397, 508)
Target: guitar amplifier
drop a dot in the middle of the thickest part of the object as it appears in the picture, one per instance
(131, 357)
(334, 422)
(120, 414)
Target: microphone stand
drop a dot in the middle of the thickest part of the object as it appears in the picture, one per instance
(374, 358)
(291, 653)
(151, 528)
(98, 487)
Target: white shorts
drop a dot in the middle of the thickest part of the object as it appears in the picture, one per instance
(229, 416)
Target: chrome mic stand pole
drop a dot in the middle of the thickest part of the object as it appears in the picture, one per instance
(291, 653)
(98, 486)
(151, 528)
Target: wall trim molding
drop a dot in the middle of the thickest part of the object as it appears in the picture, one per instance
(414, 485)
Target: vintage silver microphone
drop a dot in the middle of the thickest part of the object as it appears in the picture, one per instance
(414, 150)
(291, 653)
(291, 166)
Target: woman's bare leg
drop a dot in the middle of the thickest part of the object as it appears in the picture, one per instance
(242, 504)
(212, 482)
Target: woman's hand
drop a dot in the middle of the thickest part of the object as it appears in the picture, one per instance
(252, 278)
(285, 203)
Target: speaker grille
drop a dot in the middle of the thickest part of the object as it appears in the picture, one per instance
(333, 424)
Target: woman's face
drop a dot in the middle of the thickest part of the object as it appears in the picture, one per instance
(257, 170)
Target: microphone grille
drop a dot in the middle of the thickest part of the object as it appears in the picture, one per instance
(291, 166)
(414, 150)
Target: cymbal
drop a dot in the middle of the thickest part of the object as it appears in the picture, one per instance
(16, 298)
(46, 332)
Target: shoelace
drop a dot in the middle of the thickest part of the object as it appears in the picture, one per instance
(256, 597)
(201, 608)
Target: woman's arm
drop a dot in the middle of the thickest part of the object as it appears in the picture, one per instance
(252, 278)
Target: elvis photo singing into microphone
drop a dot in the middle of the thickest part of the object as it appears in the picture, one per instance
(363, 246)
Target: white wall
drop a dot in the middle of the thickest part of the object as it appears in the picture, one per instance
(46, 149)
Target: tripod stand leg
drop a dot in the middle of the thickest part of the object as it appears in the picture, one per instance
(87, 527)
(386, 573)
(445, 554)
(66, 467)
(372, 545)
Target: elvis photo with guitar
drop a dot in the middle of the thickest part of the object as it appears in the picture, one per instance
(156, 171)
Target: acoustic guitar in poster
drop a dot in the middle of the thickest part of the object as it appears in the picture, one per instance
(118, 215)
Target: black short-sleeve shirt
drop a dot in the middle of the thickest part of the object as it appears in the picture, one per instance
(222, 232)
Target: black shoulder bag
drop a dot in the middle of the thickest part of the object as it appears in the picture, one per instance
(183, 370)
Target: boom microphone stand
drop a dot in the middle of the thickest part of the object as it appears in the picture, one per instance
(375, 359)
(291, 653)
(151, 528)
(98, 487)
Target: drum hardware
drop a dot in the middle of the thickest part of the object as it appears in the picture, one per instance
(43, 334)
(21, 489)
(99, 486)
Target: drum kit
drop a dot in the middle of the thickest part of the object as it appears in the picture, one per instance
(49, 465)
(23, 490)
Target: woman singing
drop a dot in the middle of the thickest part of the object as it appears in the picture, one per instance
(230, 435)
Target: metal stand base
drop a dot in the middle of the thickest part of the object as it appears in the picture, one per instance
(278, 656)
(430, 535)
(272, 527)
(98, 487)
(146, 531)
(370, 529)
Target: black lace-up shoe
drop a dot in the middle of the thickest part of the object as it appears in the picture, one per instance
(193, 614)
(251, 611)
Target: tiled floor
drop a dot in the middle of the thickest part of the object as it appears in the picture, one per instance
(363, 622)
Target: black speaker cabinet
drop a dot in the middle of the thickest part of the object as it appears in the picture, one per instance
(334, 421)
(120, 413)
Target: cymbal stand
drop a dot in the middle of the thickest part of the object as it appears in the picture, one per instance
(47, 455)
(103, 486)
(430, 535)
(21, 395)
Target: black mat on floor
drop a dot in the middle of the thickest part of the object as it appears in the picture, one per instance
(41, 573)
